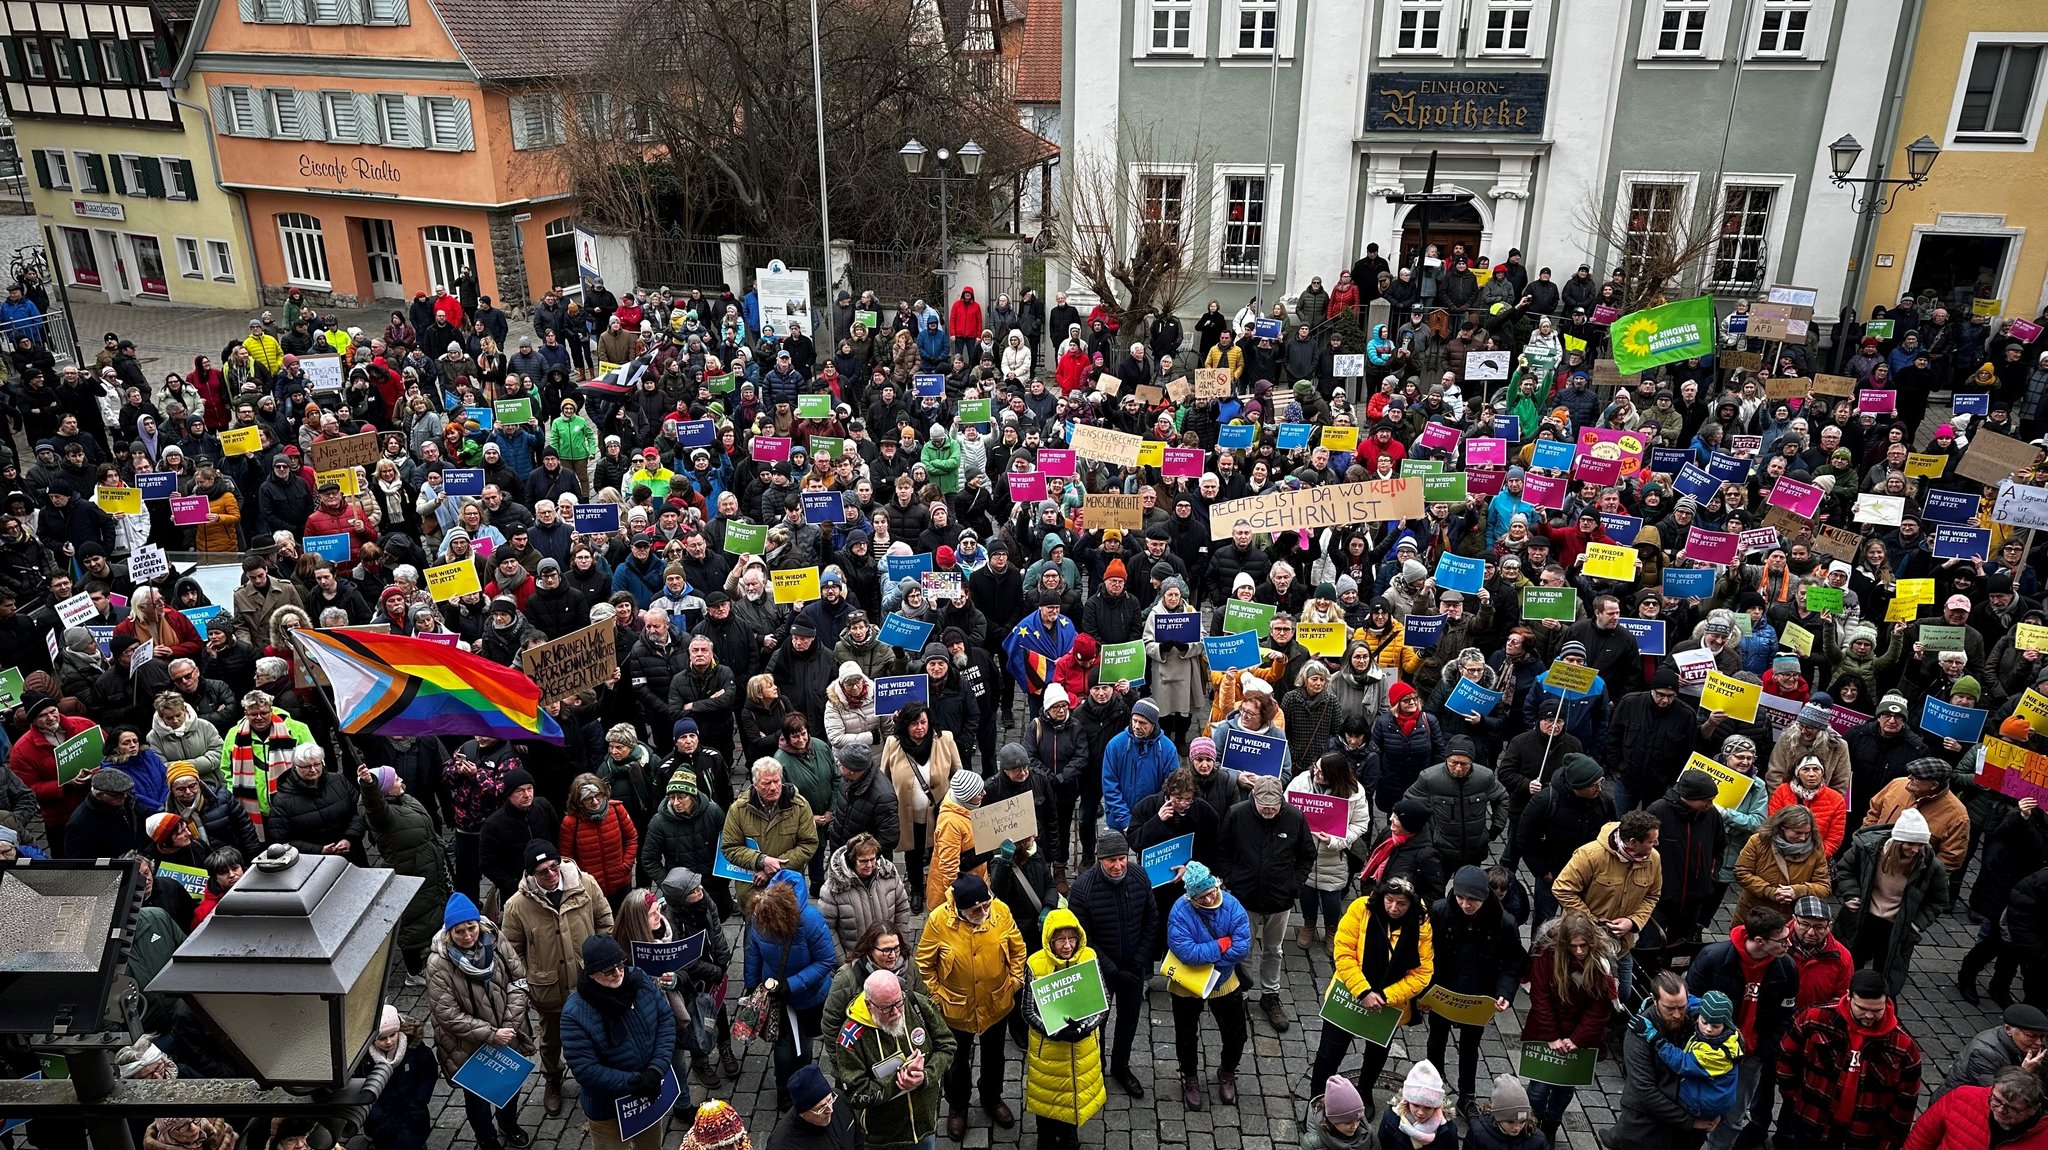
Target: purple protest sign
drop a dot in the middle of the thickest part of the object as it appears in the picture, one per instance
(1606, 313)
(189, 510)
(1181, 462)
(1026, 486)
(770, 449)
(1325, 814)
(1706, 546)
(1484, 481)
(1542, 490)
(1877, 402)
(1437, 435)
(1057, 462)
(1592, 469)
(1801, 499)
(1486, 452)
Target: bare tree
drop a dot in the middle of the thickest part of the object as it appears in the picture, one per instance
(1125, 236)
(1665, 237)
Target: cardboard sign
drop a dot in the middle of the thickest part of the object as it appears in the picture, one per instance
(1484, 365)
(795, 586)
(1212, 382)
(1113, 512)
(580, 661)
(452, 580)
(1012, 820)
(1314, 508)
(148, 563)
(1994, 458)
(1785, 387)
(1835, 385)
(1104, 446)
(2019, 505)
(1836, 542)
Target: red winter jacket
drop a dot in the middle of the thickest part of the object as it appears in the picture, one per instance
(964, 320)
(603, 848)
(1830, 814)
(1343, 298)
(1961, 1120)
(34, 759)
(349, 521)
(187, 645)
(1583, 1020)
(1071, 672)
(1824, 977)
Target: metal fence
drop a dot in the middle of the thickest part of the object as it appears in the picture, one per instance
(1005, 274)
(895, 273)
(679, 260)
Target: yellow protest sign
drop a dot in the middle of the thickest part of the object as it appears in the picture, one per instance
(1798, 638)
(2034, 705)
(1151, 453)
(1730, 696)
(1470, 1009)
(450, 580)
(2000, 753)
(1340, 438)
(119, 500)
(240, 441)
(1735, 785)
(1570, 677)
(1322, 640)
(344, 477)
(2030, 637)
(1610, 561)
(1907, 598)
(1926, 466)
(795, 586)
(1574, 343)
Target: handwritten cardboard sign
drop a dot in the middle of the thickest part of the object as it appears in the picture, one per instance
(1314, 508)
(574, 663)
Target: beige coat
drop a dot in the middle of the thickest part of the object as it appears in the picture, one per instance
(1946, 818)
(466, 1011)
(1759, 871)
(1607, 886)
(902, 774)
(548, 940)
(1830, 748)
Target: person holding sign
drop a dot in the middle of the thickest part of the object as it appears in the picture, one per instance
(1478, 954)
(618, 1037)
(1385, 955)
(1571, 999)
(1063, 1063)
(642, 920)
(1208, 935)
(476, 995)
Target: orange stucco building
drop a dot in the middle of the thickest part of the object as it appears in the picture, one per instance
(381, 146)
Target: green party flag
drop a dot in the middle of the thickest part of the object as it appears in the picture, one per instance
(1660, 335)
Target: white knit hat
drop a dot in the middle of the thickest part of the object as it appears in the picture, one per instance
(1912, 828)
(1424, 1087)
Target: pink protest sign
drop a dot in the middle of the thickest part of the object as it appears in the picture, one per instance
(189, 510)
(445, 638)
(1842, 720)
(1027, 486)
(1181, 463)
(1704, 546)
(1484, 481)
(1325, 814)
(1801, 499)
(1606, 313)
(1877, 402)
(1592, 469)
(1614, 443)
(1542, 490)
(2025, 330)
(1439, 436)
(1486, 452)
(1056, 461)
(770, 449)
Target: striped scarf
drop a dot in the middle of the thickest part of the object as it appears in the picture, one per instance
(277, 758)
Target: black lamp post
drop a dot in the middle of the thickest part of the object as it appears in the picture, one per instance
(913, 155)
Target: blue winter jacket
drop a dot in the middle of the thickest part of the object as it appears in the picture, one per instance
(932, 344)
(605, 1054)
(1134, 770)
(1191, 933)
(1501, 511)
(805, 963)
(644, 580)
(1584, 713)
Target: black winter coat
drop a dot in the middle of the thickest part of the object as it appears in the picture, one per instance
(556, 611)
(97, 830)
(1530, 757)
(1118, 619)
(1120, 920)
(1558, 822)
(1415, 860)
(647, 673)
(671, 840)
(711, 698)
(803, 677)
(227, 824)
(1691, 843)
(1719, 967)
(309, 816)
(505, 835)
(1875, 760)
(1648, 745)
(1476, 953)
(869, 806)
(1265, 861)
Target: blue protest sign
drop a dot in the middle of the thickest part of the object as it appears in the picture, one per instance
(1947, 721)
(1457, 573)
(463, 481)
(484, 417)
(1951, 507)
(1738, 321)
(697, 433)
(1691, 480)
(13, 1124)
(495, 1074)
(1292, 436)
(1268, 328)
(1469, 698)
(1177, 627)
(333, 547)
(639, 1115)
(199, 617)
(1971, 403)
(1160, 859)
(104, 636)
(596, 518)
(1667, 460)
(928, 386)
(1554, 454)
(722, 867)
(1951, 542)
(1423, 630)
(1621, 528)
(1727, 468)
(156, 484)
(663, 957)
(906, 566)
(824, 507)
(908, 634)
(1232, 652)
(1508, 427)
(1649, 634)
(892, 691)
(1237, 436)
(1690, 582)
(1244, 751)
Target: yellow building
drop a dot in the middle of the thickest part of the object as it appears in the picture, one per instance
(114, 138)
(1976, 86)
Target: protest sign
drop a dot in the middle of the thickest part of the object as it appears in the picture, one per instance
(580, 661)
(1570, 677)
(1484, 365)
(1124, 662)
(1730, 696)
(2019, 505)
(494, 1074)
(1470, 699)
(1162, 861)
(1993, 458)
(1976, 403)
(823, 506)
(1801, 499)
(1323, 640)
(452, 580)
(1339, 438)
(603, 519)
(1325, 814)
(1757, 539)
(348, 451)
(2025, 637)
(190, 510)
(901, 567)
(1347, 366)
(1237, 436)
(1113, 512)
(118, 500)
(1560, 603)
(156, 484)
(1181, 463)
(1876, 401)
(1882, 510)
(240, 441)
(1921, 466)
(1727, 468)
(1942, 636)
(1734, 785)
(1836, 542)
(1244, 750)
(907, 634)
(1690, 582)
(1072, 994)
(82, 751)
(1649, 634)
(1422, 630)
(1609, 561)
(1105, 446)
(1314, 508)
(1177, 627)
(1343, 1010)
(666, 957)
(638, 1114)
(1011, 820)
(1212, 382)
(1539, 1063)
(1947, 721)
(1704, 546)
(740, 538)
(1486, 452)
(769, 449)
(1961, 542)
(1546, 491)
(1057, 462)
(1552, 454)
(798, 586)
(463, 481)
(1798, 638)
(1437, 437)
(941, 584)
(1959, 507)
(149, 563)
(1468, 1009)
(1458, 573)
(1443, 489)
(1246, 615)
(1612, 443)
(892, 691)
(1231, 652)
(1593, 469)
(334, 547)
(817, 406)
(1292, 436)
(513, 411)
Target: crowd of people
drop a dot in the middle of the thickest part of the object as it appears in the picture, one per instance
(1457, 793)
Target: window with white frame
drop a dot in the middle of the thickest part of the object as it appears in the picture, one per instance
(1652, 217)
(344, 124)
(389, 12)
(59, 167)
(221, 260)
(537, 120)
(1742, 253)
(1258, 25)
(114, 59)
(1508, 27)
(189, 265)
(1244, 224)
(394, 121)
(1163, 197)
(92, 172)
(60, 55)
(32, 63)
(152, 59)
(283, 107)
(132, 182)
(1419, 26)
(305, 249)
(1782, 26)
(1682, 27)
(177, 178)
(1173, 25)
(449, 250)
(1999, 91)
(244, 115)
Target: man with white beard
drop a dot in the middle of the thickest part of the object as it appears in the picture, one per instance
(890, 1056)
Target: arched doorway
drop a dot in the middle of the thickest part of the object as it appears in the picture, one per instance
(1449, 225)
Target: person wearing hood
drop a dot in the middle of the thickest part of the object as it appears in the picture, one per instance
(618, 1036)
(547, 921)
(477, 996)
(1063, 1081)
(1893, 889)
(1385, 955)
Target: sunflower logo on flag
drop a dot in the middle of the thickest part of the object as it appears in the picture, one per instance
(1635, 336)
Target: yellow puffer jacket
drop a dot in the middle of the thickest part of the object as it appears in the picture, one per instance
(972, 972)
(1349, 950)
(952, 840)
(1062, 1080)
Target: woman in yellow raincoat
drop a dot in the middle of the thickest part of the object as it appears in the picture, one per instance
(1062, 1069)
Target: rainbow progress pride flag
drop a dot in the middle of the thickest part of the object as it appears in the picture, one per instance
(398, 685)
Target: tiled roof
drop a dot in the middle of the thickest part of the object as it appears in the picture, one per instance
(1038, 65)
(511, 40)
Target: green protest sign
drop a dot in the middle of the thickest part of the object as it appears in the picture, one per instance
(719, 383)
(80, 752)
(513, 410)
(1941, 637)
(1343, 1010)
(745, 538)
(814, 407)
(1239, 615)
(1443, 489)
(975, 411)
(1878, 329)
(1539, 1063)
(10, 688)
(827, 445)
(1410, 468)
(1559, 603)
(1123, 661)
(1071, 995)
(1824, 599)
(868, 319)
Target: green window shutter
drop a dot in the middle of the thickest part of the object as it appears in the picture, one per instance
(153, 177)
(120, 178)
(185, 179)
(42, 169)
(13, 51)
(97, 167)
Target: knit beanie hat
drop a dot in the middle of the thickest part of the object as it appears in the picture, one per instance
(1202, 746)
(1912, 828)
(1341, 1101)
(387, 780)
(1715, 1007)
(1510, 1102)
(460, 910)
(718, 1127)
(965, 787)
(1198, 880)
(163, 828)
(180, 770)
(1424, 1087)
